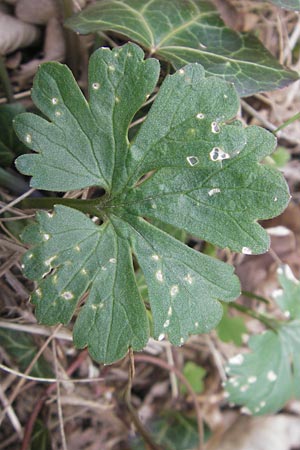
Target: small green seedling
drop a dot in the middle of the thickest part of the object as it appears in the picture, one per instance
(191, 165)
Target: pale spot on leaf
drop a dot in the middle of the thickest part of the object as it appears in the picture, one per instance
(174, 290)
(215, 127)
(155, 257)
(96, 86)
(252, 379)
(28, 138)
(200, 116)
(214, 191)
(49, 261)
(271, 376)
(188, 279)
(244, 388)
(192, 160)
(113, 260)
(245, 410)
(246, 251)
(159, 276)
(67, 295)
(237, 360)
(277, 293)
(217, 154)
(167, 323)
(161, 337)
(54, 101)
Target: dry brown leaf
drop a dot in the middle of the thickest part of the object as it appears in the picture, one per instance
(15, 34)
(37, 11)
(280, 432)
(229, 14)
(54, 50)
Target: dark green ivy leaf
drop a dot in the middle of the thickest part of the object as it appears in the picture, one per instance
(188, 31)
(206, 180)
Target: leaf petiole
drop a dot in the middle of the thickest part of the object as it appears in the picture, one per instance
(92, 207)
(271, 323)
(287, 122)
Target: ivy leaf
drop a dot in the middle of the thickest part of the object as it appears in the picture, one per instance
(187, 32)
(86, 144)
(287, 4)
(265, 379)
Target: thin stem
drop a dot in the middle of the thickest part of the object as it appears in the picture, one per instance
(58, 400)
(287, 122)
(4, 78)
(256, 297)
(134, 416)
(49, 380)
(87, 206)
(273, 324)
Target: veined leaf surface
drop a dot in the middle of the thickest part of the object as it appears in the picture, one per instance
(189, 31)
(189, 142)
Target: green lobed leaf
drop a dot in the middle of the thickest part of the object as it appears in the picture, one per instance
(208, 165)
(265, 379)
(182, 284)
(288, 298)
(287, 4)
(73, 257)
(85, 144)
(189, 31)
(231, 329)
